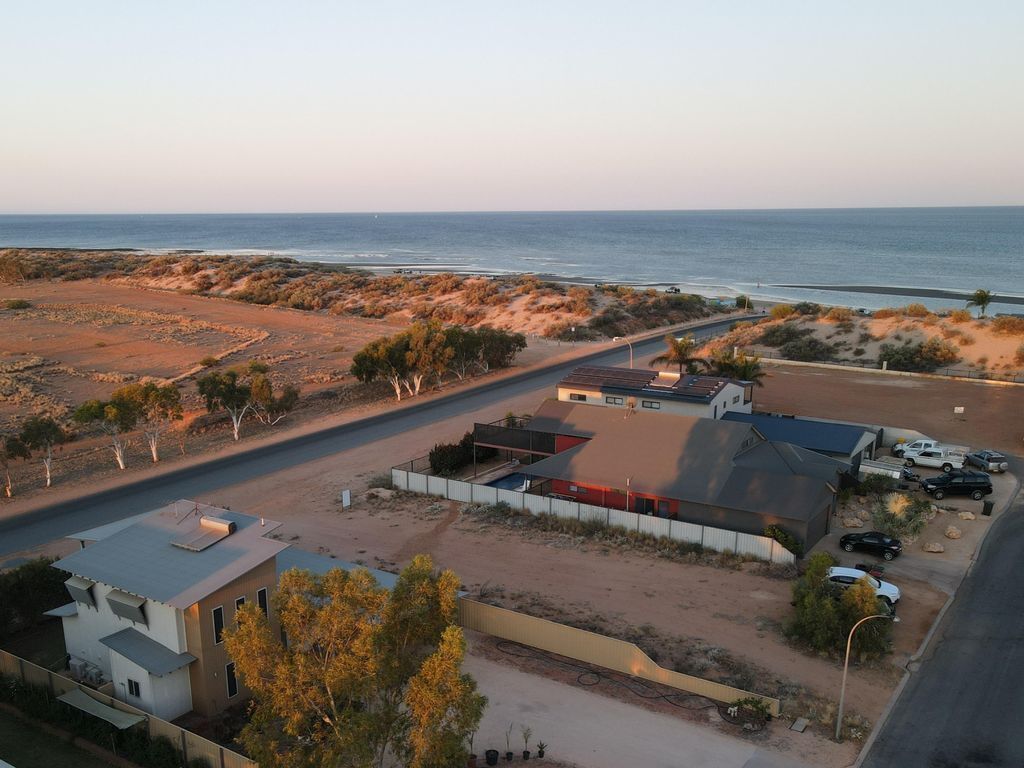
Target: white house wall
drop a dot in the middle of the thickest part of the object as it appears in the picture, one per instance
(722, 403)
(166, 697)
(82, 633)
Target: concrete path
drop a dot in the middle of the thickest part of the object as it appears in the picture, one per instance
(595, 731)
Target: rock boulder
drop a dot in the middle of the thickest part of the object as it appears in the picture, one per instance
(952, 532)
(966, 515)
(933, 546)
(852, 522)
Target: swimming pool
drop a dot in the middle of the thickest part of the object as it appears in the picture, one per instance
(513, 482)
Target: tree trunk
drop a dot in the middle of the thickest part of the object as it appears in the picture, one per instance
(48, 464)
(396, 383)
(119, 452)
(236, 420)
(8, 483)
(417, 380)
(151, 438)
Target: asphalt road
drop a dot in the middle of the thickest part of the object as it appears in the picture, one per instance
(964, 706)
(43, 525)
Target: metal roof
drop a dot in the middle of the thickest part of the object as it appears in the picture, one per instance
(637, 381)
(155, 658)
(703, 461)
(64, 611)
(822, 436)
(321, 564)
(141, 559)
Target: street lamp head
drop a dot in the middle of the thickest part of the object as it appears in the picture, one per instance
(617, 338)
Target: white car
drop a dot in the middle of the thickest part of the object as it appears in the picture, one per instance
(847, 577)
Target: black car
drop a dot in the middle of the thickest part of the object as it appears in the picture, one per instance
(960, 483)
(875, 542)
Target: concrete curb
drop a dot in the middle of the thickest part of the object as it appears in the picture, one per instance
(922, 649)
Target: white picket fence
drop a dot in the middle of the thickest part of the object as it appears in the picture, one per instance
(718, 539)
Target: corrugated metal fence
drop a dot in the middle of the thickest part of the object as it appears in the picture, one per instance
(719, 539)
(602, 651)
(191, 744)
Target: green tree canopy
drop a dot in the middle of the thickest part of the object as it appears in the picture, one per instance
(42, 433)
(115, 418)
(366, 674)
(11, 449)
(157, 405)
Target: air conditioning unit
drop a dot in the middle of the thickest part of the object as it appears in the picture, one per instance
(94, 675)
(78, 668)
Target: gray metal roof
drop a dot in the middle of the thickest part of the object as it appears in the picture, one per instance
(103, 531)
(153, 657)
(827, 437)
(320, 564)
(64, 611)
(703, 461)
(141, 559)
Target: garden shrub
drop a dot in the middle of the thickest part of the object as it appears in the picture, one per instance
(446, 459)
(17, 304)
(785, 538)
(900, 515)
(876, 485)
(742, 301)
(921, 357)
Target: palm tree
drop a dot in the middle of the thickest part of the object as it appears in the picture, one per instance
(742, 366)
(980, 299)
(680, 353)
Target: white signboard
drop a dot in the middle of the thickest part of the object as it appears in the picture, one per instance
(958, 409)
(346, 498)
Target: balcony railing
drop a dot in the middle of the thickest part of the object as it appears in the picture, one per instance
(498, 435)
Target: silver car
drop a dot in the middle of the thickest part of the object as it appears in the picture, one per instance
(990, 461)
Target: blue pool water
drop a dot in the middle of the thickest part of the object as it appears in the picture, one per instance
(509, 482)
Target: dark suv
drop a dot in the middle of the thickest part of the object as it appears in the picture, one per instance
(875, 542)
(961, 483)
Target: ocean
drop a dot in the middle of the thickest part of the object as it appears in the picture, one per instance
(716, 253)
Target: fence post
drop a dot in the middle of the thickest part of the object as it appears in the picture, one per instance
(736, 542)
(184, 744)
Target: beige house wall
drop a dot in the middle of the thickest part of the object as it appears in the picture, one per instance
(207, 674)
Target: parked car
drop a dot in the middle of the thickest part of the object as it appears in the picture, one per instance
(959, 483)
(847, 577)
(875, 542)
(942, 457)
(990, 461)
(918, 445)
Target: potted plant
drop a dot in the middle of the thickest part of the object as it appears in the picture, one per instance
(491, 757)
(508, 743)
(527, 733)
(471, 761)
(541, 746)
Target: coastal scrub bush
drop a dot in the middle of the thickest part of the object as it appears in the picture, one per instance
(17, 304)
(839, 314)
(808, 350)
(807, 308)
(209, 361)
(960, 316)
(921, 357)
(1009, 326)
(785, 538)
(1018, 357)
(965, 340)
(885, 312)
(777, 335)
(782, 311)
(916, 310)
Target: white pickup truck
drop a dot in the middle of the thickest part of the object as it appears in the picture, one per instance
(944, 457)
(918, 445)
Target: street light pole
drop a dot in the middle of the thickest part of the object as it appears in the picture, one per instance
(846, 665)
(628, 344)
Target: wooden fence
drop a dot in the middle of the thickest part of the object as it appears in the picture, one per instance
(191, 745)
(592, 648)
(719, 539)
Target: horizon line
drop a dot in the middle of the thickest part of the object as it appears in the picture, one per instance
(379, 212)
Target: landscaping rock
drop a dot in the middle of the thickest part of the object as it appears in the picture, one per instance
(852, 522)
(864, 514)
(966, 515)
(952, 532)
(933, 546)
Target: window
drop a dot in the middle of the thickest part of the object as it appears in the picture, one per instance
(133, 688)
(261, 598)
(239, 602)
(654, 405)
(614, 400)
(232, 681)
(736, 399)
(218, 624)
(574, 488)
(577, 397)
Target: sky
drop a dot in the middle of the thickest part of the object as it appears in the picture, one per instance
(120, 107)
